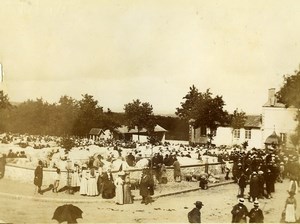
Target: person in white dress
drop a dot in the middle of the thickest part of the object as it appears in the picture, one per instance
(56, 180)
(75, 181)
(290, 208)
(119, 183)
(92, 183)
(84, 178)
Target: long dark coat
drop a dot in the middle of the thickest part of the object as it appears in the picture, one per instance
(239, 213)
(256, 216)
(194, 216)
(144, 185)
(254, 186)
(108, 187)
(38, 176)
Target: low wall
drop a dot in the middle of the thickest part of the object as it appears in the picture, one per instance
(26, 175)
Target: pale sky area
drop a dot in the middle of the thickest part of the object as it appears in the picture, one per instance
(154, 51)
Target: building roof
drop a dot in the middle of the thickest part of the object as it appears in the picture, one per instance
(124, 130)
(272, 139)
(253, 121)
(96, 131)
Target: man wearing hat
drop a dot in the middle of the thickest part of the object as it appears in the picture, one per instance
(239, 212)
(194, 215)
(256, 214)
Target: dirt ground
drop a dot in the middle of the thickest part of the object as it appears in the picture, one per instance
(218, 202)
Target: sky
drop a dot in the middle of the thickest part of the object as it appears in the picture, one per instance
(119, 51)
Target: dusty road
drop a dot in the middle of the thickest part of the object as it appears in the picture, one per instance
(172, 209)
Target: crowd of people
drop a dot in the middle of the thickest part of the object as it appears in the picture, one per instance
(260, 170)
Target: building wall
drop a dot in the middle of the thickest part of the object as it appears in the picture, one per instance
(195, 136)
(224, 136)
(280, 120)
(26, 175)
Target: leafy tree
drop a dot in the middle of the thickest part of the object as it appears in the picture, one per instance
(141, 115)
(289, 95)
(90, 115)
(238, 119)
(187, 107)
(5, 106)
(67, 112)
(32, 117)
(290, 91)
(4, 101)
(110, 120)
(203, 109)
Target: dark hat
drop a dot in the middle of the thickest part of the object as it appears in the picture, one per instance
(198, 203)
(241, 200)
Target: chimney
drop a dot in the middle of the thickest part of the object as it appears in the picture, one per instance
(272, 98)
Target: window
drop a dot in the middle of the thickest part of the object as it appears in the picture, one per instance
(283, 137)
(248, 134)
(236, 133)
(203, 131)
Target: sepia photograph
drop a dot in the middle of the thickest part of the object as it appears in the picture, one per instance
(158, 111)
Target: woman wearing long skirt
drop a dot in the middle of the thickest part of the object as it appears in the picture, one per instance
(127, 190)
(177, 171)
(75, 181)
(84, 178)
(38, 177)
(108, 187)
(119, 183)
(92, 184)
(290, 208)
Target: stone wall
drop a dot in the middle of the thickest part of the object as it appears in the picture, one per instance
(26, 175)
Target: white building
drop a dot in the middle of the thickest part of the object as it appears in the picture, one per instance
(275, 118)
(250, 133)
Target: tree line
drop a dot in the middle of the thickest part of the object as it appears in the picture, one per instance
(76, 117)
(71, 117)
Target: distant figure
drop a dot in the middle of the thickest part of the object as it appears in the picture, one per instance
(293, 187)
(108, 187)
(56, 180)
(145, 183)
(239, 212)
(290, 208)
(2, 164)
(227, 170)
(127, 189)
(75, 181)
(256, 215)
(38, 177)
(242, 182)
(194, 216)
(119, 183)
(254, 187)
(83, 182)
(177, 171)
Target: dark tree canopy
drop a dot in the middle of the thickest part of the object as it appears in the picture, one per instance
(238, 119)
(4, 101)
(139, 114)
(186, 110)
(203, 109)
(90, 115)
(289, 94)
(290, 91)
